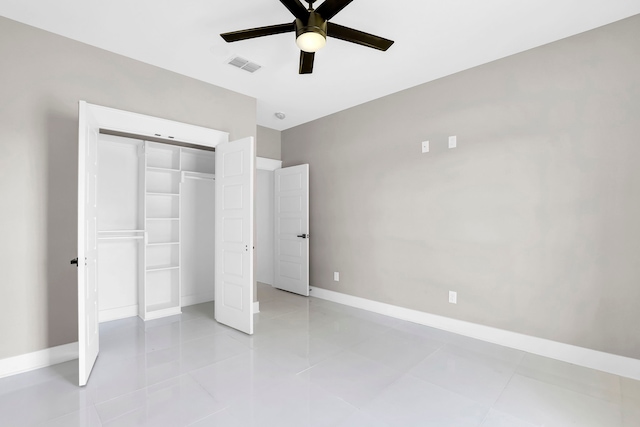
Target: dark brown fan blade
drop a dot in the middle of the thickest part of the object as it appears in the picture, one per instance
(296, 8)
(358, 37)
(330, 8)
(235, 36)
(306, 62)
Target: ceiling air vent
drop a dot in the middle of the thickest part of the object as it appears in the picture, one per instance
(244, 64)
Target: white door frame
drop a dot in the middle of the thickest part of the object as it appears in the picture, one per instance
(265, 164)
(153, 127)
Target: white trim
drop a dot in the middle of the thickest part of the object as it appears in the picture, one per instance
(38, 359)
(140, 124)
(187, 300)
(268, 164)
(256, 307)
(612, 363)
(117, 313)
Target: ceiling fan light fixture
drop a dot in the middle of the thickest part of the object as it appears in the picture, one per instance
(312, 36)
(311, 41)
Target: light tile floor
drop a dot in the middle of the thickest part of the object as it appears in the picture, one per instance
(312, 363)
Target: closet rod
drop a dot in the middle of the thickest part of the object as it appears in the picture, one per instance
(120, 231)
(156, 139)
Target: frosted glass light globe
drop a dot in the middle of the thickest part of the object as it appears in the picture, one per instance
(310, 41)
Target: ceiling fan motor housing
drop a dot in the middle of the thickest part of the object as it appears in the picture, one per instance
(315, 24)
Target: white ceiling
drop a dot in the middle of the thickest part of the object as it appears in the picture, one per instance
(432, 39)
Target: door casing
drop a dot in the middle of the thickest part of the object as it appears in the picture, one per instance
(111, 119)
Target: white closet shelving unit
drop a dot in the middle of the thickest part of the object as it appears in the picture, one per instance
(167, 168)
(160, 293)
(156, 228)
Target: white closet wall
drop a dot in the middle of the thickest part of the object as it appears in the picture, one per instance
(264, 226)
(197, 195)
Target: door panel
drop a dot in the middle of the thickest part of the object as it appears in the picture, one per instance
(235, 168)
(291, 222)
(87, 243)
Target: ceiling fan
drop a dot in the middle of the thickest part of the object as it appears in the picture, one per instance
(312, 29)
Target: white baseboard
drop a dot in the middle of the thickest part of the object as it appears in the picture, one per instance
(132, 310)
(38, 359)
(612, 363)
(195, 299)
(256, 307)
(117, 313)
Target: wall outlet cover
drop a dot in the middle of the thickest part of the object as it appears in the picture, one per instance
(425, 146)
(336, 276)
(453, 297)
(453, 141)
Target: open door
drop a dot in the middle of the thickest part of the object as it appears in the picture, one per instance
(292, 229)
(235, 170)
(87, 261)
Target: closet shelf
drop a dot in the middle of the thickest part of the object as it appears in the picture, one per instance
(162, 267)
(157, 169)
(121, 238)
(120, 231)
(198, 174)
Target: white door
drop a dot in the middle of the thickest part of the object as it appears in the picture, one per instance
(235, 171)
(87, 242)
(292, 229)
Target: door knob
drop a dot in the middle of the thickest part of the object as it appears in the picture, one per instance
(74, 261)
(304, 236)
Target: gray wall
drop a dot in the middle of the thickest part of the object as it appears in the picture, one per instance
(533, 219)
(268, 142)
(42, 78)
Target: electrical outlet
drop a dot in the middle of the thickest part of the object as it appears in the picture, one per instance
(453, 141)
(425, 146)
(336, 276)
(453, 297)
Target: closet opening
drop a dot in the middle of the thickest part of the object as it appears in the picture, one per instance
(155, 226)
(145, 214)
